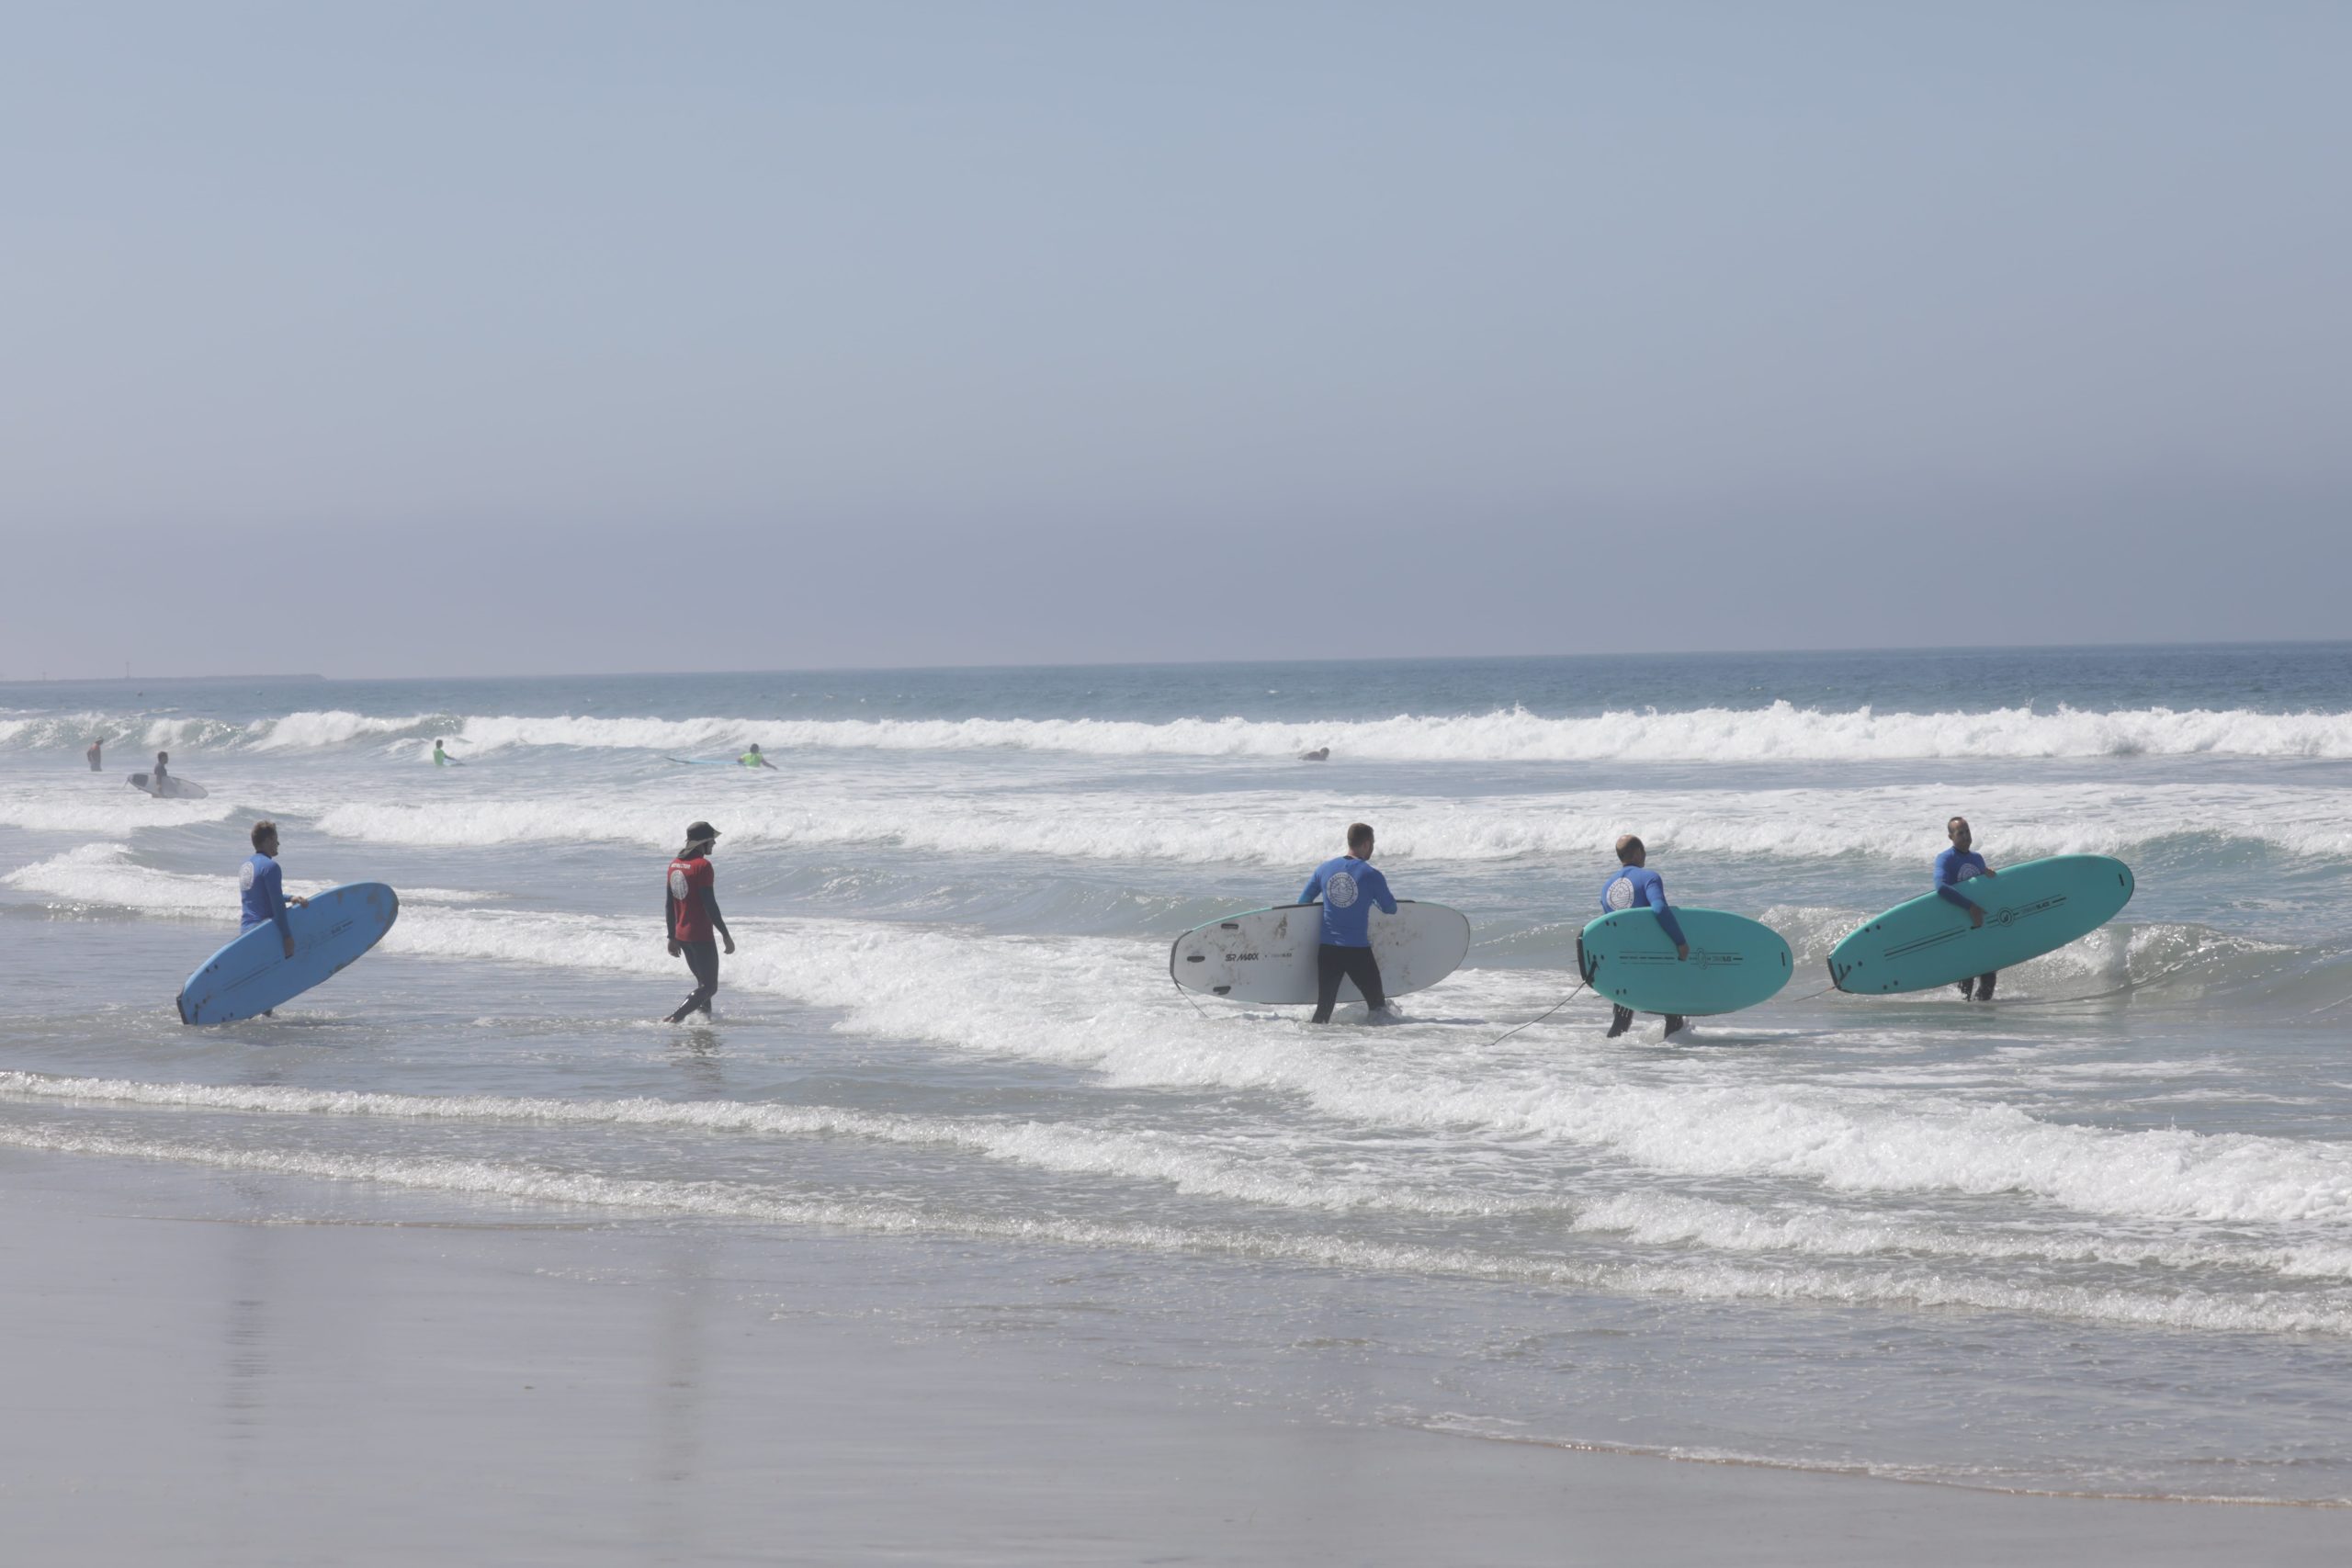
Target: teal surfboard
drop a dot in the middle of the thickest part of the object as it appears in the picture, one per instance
(1735, 962)
(2030, 909)
(253, 974)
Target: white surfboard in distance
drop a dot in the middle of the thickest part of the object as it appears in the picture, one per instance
(1268, 956)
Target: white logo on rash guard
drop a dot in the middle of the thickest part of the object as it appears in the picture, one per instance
(678, 883)
(245, 876)
(1620, 892)
(1340, 891)
(1967, 870)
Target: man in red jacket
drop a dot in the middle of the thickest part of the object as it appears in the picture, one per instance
(690, 909)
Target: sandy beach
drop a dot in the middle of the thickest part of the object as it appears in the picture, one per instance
(198, 1380)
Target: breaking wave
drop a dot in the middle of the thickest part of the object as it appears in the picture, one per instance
(1778, 732)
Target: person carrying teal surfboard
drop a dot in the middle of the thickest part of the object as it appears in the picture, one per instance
(1635, 886)
(1953, 866)
(751, 758)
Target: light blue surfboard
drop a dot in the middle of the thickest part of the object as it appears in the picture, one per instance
(2030, 909)
(704, 761)
(1735, 962)
(253, 974)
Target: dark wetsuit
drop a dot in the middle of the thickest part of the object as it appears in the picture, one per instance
(690, 910)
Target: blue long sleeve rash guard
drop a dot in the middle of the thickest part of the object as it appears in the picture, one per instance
(1348, 889)
(264, 894)
(1637, 887)
(1952, 868)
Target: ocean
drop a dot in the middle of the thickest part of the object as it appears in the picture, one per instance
(2095, 1239)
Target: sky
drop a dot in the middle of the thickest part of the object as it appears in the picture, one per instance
(498, 337)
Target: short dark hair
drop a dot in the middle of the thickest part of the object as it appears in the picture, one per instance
(1358, 833)
(1950, 820)
(1628, 847)
(262, 830)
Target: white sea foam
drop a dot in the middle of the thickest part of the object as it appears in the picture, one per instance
(87, 806)
(1274, 827)
(2255, 1312)
(1190, 1165)
(104, 876)
(1777, 732)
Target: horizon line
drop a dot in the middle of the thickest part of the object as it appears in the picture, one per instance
(1184, 663)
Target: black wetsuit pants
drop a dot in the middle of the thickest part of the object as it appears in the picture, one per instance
(1333, 965)
(702, 957)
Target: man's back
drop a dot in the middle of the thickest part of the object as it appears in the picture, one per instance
(1348, 889)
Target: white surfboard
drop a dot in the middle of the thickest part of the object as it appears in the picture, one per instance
(1268, 956)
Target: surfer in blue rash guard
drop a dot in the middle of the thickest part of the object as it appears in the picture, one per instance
(1349, 887)
(263, 885)
(1953, 866)
(1635, 886)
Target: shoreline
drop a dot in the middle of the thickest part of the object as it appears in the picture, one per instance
(219, 1367)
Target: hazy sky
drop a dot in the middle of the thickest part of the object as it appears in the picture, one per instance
(438, 338)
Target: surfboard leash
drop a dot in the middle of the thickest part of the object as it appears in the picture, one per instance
(1189, 997)
(1538, 1018)
(2127, 986)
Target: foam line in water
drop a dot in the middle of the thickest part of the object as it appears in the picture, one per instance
(1187, 1165)
(104, 875)
(1190, 1167)
(1290, 829)
(1722, 1283)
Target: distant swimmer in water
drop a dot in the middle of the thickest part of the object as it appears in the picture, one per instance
(1320, 754)
(442, 759)
(690, 909)
(263, 887)
(93, 753)
(1953, 866)
(1635, 886)
(751, 758)
(1349, 887)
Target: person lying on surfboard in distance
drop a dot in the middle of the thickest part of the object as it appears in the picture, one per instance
(1953, 866)
(1349, 887)
(751, 758)
(1635, 886)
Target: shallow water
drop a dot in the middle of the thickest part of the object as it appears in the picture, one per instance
(2097, 1244)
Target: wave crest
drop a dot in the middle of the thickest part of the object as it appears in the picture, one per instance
(1778, 732)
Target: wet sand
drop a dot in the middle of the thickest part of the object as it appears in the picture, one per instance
(196, 1379)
